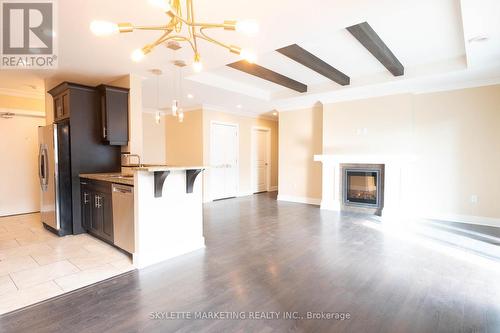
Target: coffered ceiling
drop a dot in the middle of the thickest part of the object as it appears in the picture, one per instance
(431, 39)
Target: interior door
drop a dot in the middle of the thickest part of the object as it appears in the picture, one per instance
(224, 161)
(260, 163)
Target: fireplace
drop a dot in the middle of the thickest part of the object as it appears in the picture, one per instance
(363, 187)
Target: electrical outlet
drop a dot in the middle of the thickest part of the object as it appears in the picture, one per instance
(474, 199)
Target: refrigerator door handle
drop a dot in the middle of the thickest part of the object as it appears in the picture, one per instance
(46, 165)
(40, 172)
(43, 168)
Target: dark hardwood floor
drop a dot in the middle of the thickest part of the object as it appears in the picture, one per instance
(264, 255)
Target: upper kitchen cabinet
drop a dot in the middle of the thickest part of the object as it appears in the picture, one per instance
(114, 115)
(61, 106)
(63, 103)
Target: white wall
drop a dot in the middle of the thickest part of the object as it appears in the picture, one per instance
(154, 139)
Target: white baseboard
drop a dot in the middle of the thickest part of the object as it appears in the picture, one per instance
(304, 200)
(469, 219)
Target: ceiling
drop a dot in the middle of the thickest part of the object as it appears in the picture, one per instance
(429, 37)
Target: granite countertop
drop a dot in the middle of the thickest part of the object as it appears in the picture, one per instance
(153, 168)
(119, 178)
(116, 178)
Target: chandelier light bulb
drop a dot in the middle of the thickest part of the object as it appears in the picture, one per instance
(157, 117)
(162, 4)
(137, 55)
(248, 55)
(247, 27)
(103, 28)
(181, 116)
(197, 65)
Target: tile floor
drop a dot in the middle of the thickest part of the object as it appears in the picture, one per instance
(36, 265)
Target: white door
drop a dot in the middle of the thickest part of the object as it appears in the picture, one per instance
(260, 160)
(20, 185)
(224, 161)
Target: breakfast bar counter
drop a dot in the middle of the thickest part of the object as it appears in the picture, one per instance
(168, 212)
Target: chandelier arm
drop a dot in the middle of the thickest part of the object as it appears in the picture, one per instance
(169, 26)
(173, 14)
(157, 28)
(213, 25)
(177, 24)
(192, 28)
(162, 39)
(204, 36)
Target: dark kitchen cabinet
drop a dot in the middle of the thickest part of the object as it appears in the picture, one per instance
(61, 106)
(97, 211)
(114, 115)
(80, 149)
(86, 200)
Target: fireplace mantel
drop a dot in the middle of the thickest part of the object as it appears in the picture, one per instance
(396, 166)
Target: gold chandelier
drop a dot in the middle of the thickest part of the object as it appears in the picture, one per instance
(172, 31)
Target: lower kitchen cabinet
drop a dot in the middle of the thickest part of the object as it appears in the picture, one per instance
(97, 208)
(86, 201)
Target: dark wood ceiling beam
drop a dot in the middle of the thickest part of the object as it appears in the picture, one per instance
(269, 75)
(309, 60)
(365, 34)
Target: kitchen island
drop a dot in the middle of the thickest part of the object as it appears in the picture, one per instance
(167, 211)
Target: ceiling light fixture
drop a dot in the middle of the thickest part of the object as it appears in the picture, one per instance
(275, 113)
(177, 111)
(157, 72)
(190, 96)
(181, 116)
(239, 106)
(172, 31)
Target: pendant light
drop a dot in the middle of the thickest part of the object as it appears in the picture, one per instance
(178, 91)
(157, 73)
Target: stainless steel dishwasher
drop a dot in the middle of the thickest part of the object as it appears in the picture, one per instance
(123, 217)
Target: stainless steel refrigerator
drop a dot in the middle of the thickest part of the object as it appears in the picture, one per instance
(54, 172)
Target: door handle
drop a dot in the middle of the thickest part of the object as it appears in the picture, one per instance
(98, 203)
(85, 198)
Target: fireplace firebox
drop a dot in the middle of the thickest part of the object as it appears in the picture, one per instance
(363, 186)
